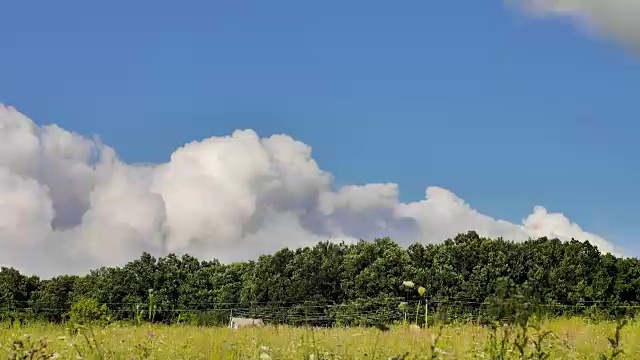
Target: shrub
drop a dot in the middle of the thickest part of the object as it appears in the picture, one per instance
(87, 310)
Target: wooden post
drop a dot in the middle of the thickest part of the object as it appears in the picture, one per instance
(426, 313)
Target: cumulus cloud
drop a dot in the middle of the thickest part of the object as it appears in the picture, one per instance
(617, 18)
(69, 204)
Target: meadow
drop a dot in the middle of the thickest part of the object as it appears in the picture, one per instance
(569, 338)
(176, 307)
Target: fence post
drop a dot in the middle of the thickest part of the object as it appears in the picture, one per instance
(426, 313)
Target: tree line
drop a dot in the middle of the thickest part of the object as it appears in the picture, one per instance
(469, 277)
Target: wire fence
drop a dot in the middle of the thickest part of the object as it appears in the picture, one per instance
(359, 312)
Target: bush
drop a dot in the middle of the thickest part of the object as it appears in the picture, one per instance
(87, 310)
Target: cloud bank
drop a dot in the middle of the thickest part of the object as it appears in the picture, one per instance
(68, 203)
(616, 18)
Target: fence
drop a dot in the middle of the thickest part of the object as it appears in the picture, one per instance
(359, 312)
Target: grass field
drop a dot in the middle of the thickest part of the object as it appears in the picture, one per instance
(571, 339)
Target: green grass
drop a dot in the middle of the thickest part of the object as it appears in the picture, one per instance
(573, 338)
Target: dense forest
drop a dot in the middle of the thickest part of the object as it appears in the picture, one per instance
(334, 283)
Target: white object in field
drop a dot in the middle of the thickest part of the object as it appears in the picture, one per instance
(237, 322)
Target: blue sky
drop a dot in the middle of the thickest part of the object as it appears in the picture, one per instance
(505, 110)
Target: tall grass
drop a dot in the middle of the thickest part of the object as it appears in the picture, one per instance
(566, 338)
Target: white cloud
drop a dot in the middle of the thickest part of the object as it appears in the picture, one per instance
(67, 203)
(617, 18)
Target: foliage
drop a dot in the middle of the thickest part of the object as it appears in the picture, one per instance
(88, 311)
(614, 342)
(574, 338)
(25, 348)
(468, 278)
(83, 340)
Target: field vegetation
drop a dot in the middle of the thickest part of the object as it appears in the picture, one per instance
(566, 338)
(468, 297)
